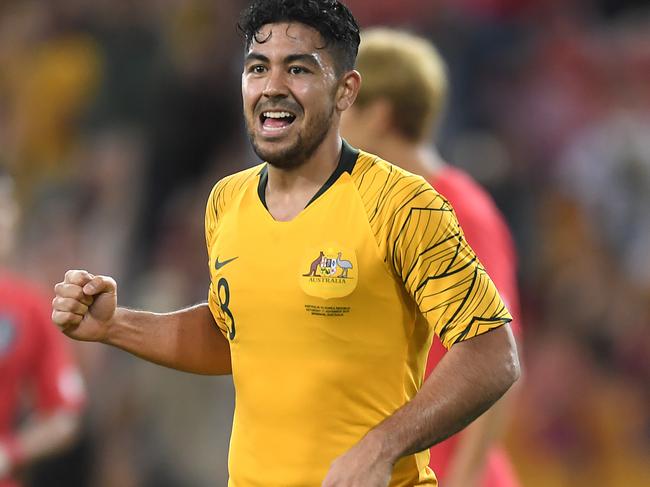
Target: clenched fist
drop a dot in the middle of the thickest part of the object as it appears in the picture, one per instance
(84, 305)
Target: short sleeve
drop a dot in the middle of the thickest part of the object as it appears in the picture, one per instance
(487, 232)
(215, 309)
(489, 236)
(428, 252)
(211, 214)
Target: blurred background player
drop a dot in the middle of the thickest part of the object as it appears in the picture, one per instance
(41, 391)
(402, 96)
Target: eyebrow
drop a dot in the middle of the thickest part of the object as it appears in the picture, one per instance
(291, 58)
(306, 58)
(253, 56)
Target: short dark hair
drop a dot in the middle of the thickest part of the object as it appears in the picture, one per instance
(331, 18)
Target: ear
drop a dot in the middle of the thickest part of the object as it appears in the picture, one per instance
(347, 90)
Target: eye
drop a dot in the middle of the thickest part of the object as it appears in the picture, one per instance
(298, 70)
(257, 69)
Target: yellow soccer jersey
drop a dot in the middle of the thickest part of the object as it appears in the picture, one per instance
(330, 316)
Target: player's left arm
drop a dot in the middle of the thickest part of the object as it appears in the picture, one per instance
(488, 234)
(429, 254)
(467, 465)
(58, 399)
(466, 382)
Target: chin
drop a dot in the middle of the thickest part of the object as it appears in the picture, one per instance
(279, 154)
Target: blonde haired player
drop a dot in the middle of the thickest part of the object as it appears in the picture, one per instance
(400, 102)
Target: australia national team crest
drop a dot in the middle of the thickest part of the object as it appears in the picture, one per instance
(329, 272)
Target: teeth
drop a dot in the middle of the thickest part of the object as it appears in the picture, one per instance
(277, 114)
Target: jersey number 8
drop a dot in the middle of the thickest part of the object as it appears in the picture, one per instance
(224, 301)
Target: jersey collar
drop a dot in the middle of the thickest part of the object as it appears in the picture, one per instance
(346, 164)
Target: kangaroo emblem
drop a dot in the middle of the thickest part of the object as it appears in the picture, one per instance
(314, 265)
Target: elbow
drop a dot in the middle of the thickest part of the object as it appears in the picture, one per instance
(510, 364)
(505, 365)
(512, 368)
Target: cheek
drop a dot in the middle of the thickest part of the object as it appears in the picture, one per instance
(313, 97)
(250, 94)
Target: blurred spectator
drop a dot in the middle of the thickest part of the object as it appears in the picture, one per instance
(49, 72)
(196, 114)
(41, 388)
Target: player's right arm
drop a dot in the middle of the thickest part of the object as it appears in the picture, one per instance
(85, 308)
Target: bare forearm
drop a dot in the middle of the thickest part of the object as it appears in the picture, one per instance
(186, 340)
(472, 450)
(466, 382)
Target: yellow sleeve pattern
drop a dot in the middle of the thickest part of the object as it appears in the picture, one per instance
(425, 248)
(211, 212)
(220, 197)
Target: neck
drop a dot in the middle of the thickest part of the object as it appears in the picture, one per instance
(418, 158)
(289, 190)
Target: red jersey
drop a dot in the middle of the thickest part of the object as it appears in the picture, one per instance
(487, 233)
(37, 373)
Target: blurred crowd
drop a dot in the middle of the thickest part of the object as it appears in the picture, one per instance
(117, 116)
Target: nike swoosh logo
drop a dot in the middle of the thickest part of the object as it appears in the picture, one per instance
(218, 265)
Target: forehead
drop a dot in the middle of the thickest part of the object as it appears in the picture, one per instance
(288, 37)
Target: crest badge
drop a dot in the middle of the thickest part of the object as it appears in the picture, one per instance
(329, 272)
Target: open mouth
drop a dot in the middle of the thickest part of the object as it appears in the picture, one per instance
(276, 120)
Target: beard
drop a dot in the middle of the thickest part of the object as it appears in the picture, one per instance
(296, 154)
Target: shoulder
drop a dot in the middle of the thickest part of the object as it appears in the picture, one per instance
(226, 189)
(390, 189)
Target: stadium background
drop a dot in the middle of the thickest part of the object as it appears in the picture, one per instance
(116, 117)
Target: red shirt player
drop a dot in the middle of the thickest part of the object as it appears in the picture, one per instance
(487, 233)
(402, 94)
(38, 378)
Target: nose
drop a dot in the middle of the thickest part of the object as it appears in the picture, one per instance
(276, 86)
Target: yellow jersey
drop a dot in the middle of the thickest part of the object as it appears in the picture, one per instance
(330, 315)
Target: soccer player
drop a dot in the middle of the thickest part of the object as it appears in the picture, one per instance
(35, 363)
(401, 99)
(331, 270)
